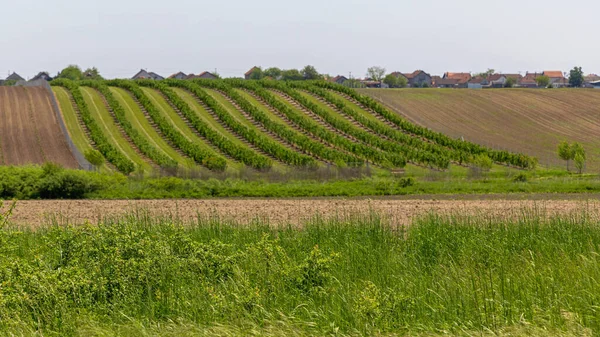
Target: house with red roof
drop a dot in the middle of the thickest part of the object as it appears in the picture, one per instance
(557, 79)
(249, 72)
(462, 79)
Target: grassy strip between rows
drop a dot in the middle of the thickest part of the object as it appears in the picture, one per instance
(138, 139)
(392, 150)
(506, 157)
(201, 155)
(358, 275)
(270, 146)
(113, 155)
(280, 129)
(239, 152)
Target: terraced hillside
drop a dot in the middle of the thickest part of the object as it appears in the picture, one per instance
(29, 129)
(266, 125)
(530, 121)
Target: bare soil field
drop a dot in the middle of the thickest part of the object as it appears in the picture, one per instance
(29, 129)
(531, 121)
(285, 211)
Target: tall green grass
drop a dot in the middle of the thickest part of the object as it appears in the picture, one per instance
(142, 275)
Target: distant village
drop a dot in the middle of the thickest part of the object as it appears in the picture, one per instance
(415, 79)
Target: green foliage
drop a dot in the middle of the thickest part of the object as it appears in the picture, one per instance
(112, 154)
(9, 83)
(542, 81)
(376, 73)
(395, 81)
(510, 82)
(257, 74)
(91, 74)
(310, 73)
(72, 72)
(94, 157)
(141, 275)
(520, 178)
(485, 74)
(570, 152)
(576, 77)
(291, 75)
(273, 72)
(483, 162)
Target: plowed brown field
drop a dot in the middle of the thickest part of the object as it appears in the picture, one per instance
(29, 129)
(531, 121)
(283, 212)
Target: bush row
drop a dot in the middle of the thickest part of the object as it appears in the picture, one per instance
(391, 149)
(201, 155)
(142, 143)
(240, 153)
(269, 146)
(505, 157)
(415, 149)
(308, 124)
(282, 130)
(114, 156)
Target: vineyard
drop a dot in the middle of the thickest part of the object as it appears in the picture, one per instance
(226, 125)
(524, 120)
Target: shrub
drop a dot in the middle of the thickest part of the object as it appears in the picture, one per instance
(62, 184)
(520, 178)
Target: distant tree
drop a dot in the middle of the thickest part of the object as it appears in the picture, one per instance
(395, 81)
(510, 82)
(273, 72)
(486, 73)
(483, 162)
(565, 152)
(257, 74)
(576, 77)
(92, 74)
(291, 75)
(578, 154)
(542, 81)
(72, 72)
(310, 73)
(94, 157)
(376, 73)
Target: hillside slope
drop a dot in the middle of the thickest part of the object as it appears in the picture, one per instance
(529, 121)
(29, 129)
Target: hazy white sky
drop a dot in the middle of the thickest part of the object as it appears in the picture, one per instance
(336, 36)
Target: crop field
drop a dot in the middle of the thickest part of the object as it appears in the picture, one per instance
(528, 121)
(232, 125)
(29, 129)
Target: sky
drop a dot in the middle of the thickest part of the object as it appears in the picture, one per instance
(345, 37)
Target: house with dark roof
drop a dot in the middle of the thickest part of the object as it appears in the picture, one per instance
(339, 79)
(529, 80)
(205, 75)
(145, 75)
(462, 79)
(441, 82)
(589, 79)
(418, 79)
(249, 72)
(179, 76)
(14, 77)
(595, 84)
(42, 76)
(478, 82)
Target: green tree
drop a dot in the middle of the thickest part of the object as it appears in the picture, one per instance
(510, 82)
(291, 75)
(273, 72)
(92, 74)
(310, 73)
(395, 81)
(72, 72)
(483, 162)
(257, 74)
(9, 83)
(576, 77)
(542, 81)
(578, 155)
(94, 157)
(376, 73)
(565, 152)
(486, 73)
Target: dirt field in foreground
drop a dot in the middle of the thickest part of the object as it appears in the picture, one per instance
(278, 212)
